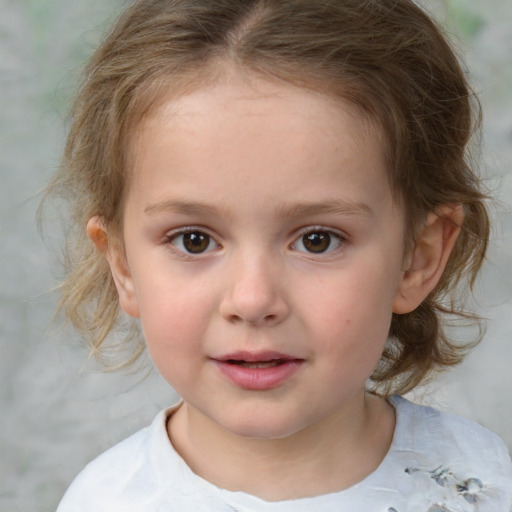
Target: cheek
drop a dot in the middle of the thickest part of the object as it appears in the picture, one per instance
(173, 339)
(174, 317)
(169, 299)
(353, 314)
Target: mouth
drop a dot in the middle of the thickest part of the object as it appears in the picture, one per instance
(264, 359)
(257, 364)
(258, 371)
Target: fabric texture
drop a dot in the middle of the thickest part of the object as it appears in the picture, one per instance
(437, 462)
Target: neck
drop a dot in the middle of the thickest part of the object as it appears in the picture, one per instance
(329, 456)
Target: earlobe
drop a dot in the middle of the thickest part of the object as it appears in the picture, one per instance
(97, 232)
(427, 262)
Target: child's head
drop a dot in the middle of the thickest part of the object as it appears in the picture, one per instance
(384, 60)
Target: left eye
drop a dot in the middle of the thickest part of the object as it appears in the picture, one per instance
(193, 242)
(318, 242)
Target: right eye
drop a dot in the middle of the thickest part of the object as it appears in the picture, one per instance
(318, 241)
(193, 242)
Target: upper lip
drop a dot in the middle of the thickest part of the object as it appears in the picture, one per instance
(256, 356)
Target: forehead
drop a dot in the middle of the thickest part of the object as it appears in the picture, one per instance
(258, 107)
(249, 148)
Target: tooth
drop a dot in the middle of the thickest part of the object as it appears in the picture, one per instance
(260, 364)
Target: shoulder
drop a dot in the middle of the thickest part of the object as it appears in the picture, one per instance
(426, 426)
(450, 452)
(128, 471)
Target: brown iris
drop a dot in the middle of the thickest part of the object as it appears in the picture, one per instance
(196, 242)
(317, 242)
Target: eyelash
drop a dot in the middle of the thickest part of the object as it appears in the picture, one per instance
(172, 237)
(319, 236)
(327, 235)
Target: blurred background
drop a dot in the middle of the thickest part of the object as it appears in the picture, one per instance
(58, 410)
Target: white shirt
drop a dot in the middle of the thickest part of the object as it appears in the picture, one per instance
(437, 462)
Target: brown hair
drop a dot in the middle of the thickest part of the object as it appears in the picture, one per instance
(387, 57)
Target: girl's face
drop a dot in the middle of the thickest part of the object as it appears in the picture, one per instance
(264, 253)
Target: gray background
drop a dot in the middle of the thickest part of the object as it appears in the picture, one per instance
(58, 410)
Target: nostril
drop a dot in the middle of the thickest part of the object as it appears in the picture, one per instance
(267, 319)
(235, 318)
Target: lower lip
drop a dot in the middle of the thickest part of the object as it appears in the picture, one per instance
(259, 379)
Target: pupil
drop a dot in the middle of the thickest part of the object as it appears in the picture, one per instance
(317, 242)
(196, 242)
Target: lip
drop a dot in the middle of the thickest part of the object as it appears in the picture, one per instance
(256, 371)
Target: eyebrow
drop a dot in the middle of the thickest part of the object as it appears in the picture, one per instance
(336, 206)
(181, 207)
(304, 209)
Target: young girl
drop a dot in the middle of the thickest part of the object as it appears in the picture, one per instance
(280, 191)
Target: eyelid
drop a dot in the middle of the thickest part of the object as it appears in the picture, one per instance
(341, 236)
(319, 227)
(172, 235)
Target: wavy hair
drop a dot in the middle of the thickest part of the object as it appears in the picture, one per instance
(386, 57)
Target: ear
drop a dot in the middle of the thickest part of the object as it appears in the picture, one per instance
(113, 252)
(426, 264)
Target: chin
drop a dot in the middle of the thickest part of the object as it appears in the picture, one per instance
(262, 427)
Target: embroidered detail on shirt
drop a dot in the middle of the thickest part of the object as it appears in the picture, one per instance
(470, 489)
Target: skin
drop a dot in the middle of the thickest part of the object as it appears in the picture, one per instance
(250, 165)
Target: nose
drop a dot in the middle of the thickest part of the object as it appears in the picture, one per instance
(255, 293)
